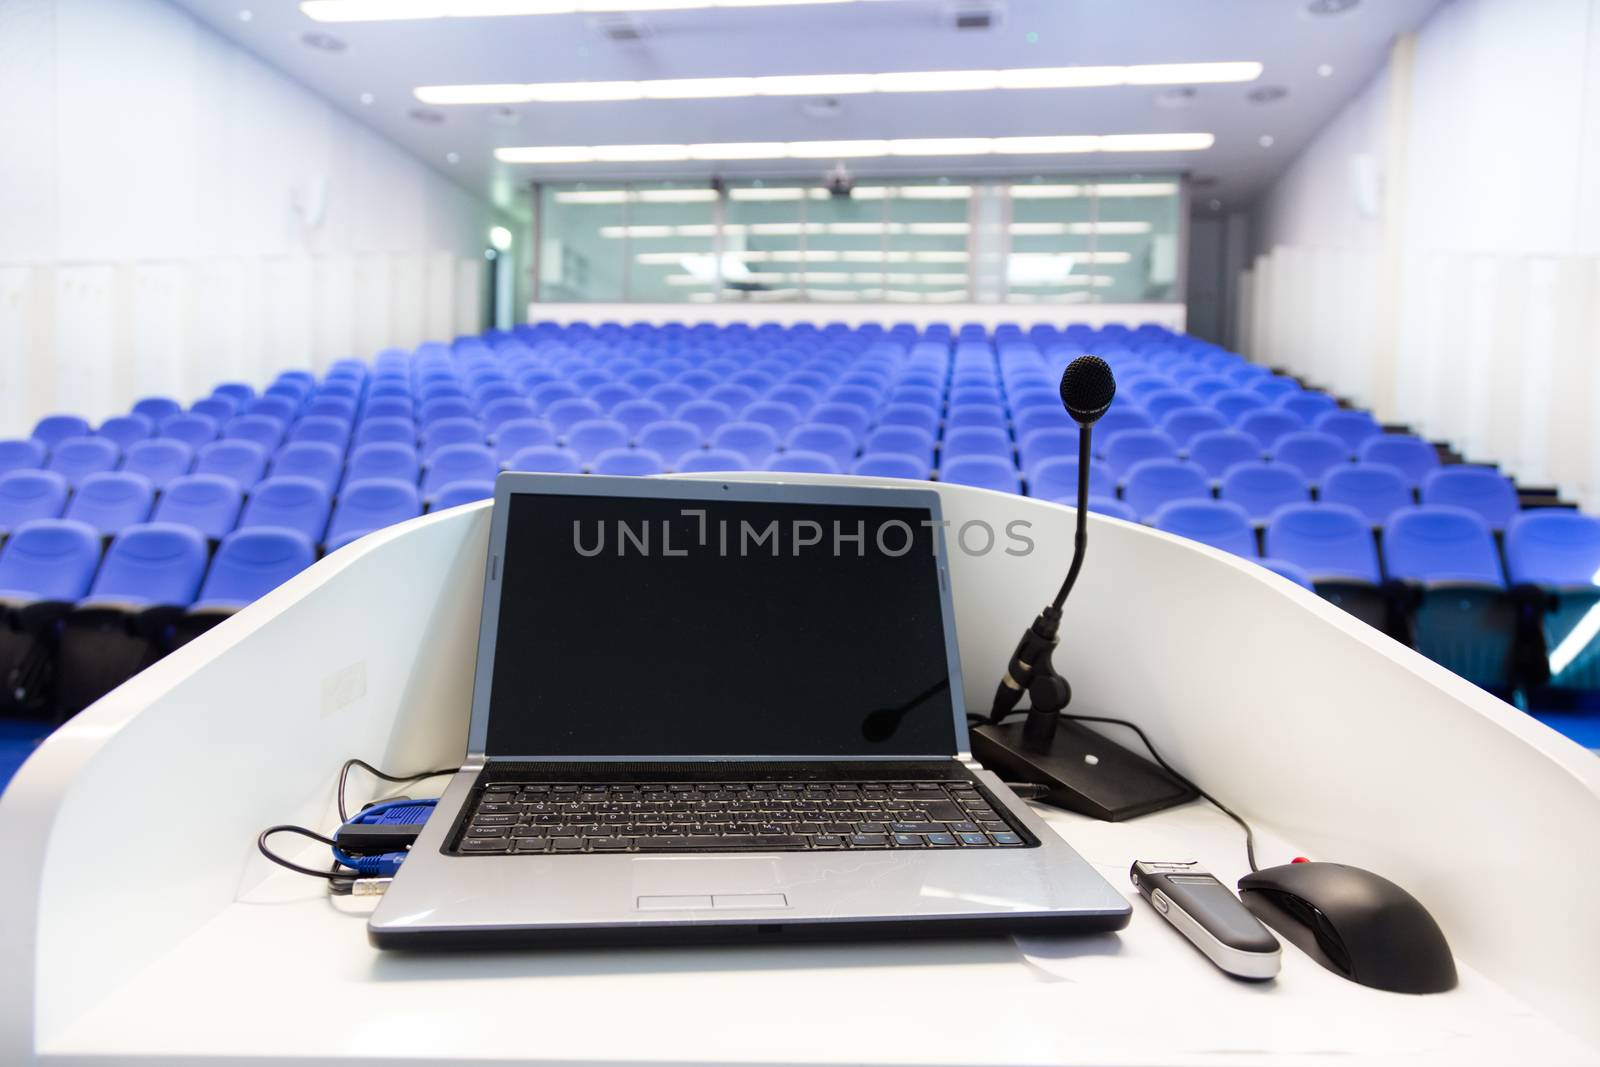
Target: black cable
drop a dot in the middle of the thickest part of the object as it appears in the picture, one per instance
(344, 774)
(261, 843)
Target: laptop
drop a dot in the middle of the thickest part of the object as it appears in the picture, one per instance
(722, 711)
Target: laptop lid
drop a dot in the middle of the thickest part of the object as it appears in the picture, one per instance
(633, 619)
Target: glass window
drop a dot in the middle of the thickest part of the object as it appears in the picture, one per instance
(577, 260)
(1095, 240)
(672, 237)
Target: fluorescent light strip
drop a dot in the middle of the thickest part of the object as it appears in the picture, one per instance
(411, 10)
(933, 81)
(1069, 192)
(795, 229)
(639, 196)
(1073, 145)
(809, 277)
(1052, 229)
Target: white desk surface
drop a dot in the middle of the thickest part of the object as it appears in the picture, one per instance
(285, 975)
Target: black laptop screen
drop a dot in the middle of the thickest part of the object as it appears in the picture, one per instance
(650, 627)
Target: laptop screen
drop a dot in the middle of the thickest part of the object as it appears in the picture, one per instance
(648, 627)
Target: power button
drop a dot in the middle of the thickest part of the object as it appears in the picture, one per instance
(1159, 899)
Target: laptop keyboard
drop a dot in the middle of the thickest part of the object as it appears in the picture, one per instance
(678, 817)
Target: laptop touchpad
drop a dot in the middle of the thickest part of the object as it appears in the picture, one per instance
(674, 882)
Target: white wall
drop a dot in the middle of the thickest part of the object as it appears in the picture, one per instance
(1435, 252)
(173, 213)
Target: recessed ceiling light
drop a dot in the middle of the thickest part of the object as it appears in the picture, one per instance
(1325, 70)
(1265, 140)
(1214, 205)
(452, 157)
(322, 42)
(1266, 94)
(967, 146)
(425, 115)
(367, 98)
(834, 85)
(1177, 96)
(245, 14)
(1330, 7)
(500, 237)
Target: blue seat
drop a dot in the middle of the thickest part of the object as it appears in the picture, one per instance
(455, 494)
(1120, 417)
(497, 413)
(985, 471)
(1033, 420)
(1164, 402)
(333, 407)
(1269, 424)
(49, 560)
(1218, 450)
(782, 417)
(51, 430)
(835, 442)
(671, 395)
(1207, 386)
(111, 500)
(754, 441)
(208, 503)
(671, 439)
(241, 393)
(891, 465)
(1234, 404)
(290, 502)
(1262, 488)
(322, 463)
(1185, 424)
(1275, 389)
(637, 414)
(219, 409)
(862, 396)
(75, 458)
(457, 463)
(324, 429)
(1312, 453)
(591, 437)
(369, 505)
(280, 408)
(1411, 456)
(151, 564)
(977, 416)
(629, 462)
(1329, 542)
(714, 460)
(849, 416)
(249, 564)
(384, 459)
(388, 407)
(708, 415)
(1354, 428)
(1463, 619)
(446, 432)
(262, 429)
(124, 430)
(1309, 406)
(1211, 522)
(796, 396)
(158, 460)
(904, 439)
(736, 397)
(548, 393)
(1285, 569)
(1110, 505)
(1152, 483)
(446, 407)
(918, 416)
(157, 408)
(975, 441)
(1124, 449)
(1481, 489)
(516, 434)
(1376, 490)
(1559, 551)
(563, 414)
(386, 429)
(193, 429)
(545, 459)
(1057, 479)
(22, 454)
(244, 463)
(799, 461)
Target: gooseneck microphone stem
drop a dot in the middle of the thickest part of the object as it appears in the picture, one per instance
(1080, 539)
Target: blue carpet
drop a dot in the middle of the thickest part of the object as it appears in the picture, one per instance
(17, 742)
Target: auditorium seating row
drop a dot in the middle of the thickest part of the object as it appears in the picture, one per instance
(1198, 442)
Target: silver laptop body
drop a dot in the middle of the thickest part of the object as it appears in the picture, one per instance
(644, 639)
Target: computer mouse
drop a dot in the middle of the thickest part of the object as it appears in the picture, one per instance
(1355, 923)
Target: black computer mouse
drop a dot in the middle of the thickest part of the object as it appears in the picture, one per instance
(1354, 923)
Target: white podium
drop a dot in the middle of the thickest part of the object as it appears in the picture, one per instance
(138, 924)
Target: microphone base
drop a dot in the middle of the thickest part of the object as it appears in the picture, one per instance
(1117, 784)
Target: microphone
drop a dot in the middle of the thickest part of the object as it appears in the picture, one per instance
(1081, 770)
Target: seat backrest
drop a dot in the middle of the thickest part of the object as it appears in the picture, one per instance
(208, 503)
(124, 430)
(782, 417)
(51, 430)
(1309, 406)
(49, 559)
(1218, 450)
(982, 470)
(1057, 479)
(1155, 482)
(1326, 541)
(22, 454)
(383, 460)
(1234, 404)
(1163, 402)
(281, 408)
(457, 463)
(454, 431)
(1376, 490)
(671, 395)
(497, 413)
(671, 439)
(890, 465)
(849, 416)
(446, 407)
(1312, 453)
(834, 441)
(159, 460)
(75, 458)
(591, 437)
(1120, 417)
(262, 429)
(1481, 489)
(294, 503)
(715, 459)
(708, 415)
(1411, 456)
(754, 441)
(192, 428)
(253, 562)
(802, 461)
(310, 459)
(326, 429)
(545, 459)
(371, 504)
(629, 462)
(1268, 425)
(1212, 522)
(1352, 427)
(153, 563)
(976, 441)
(1262, 488)
(240, 461)
(156, 408)
(905, 439)
(564, 413)
(1124, 449)
(110, 500)
(981, 416)
(388, 407)
(1440, 543)
(1184, 424)
(1554, 547)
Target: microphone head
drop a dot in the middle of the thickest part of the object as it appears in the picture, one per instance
(1087, 388)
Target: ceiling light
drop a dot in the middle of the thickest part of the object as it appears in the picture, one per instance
(1325, 70)
(764, 195)
(831, 85)
(452, 157)
(1111, 189)
(1266, 140)
(246, 15)
(367, 98)
(500, 237)
(402, 10)
(1140, 142)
